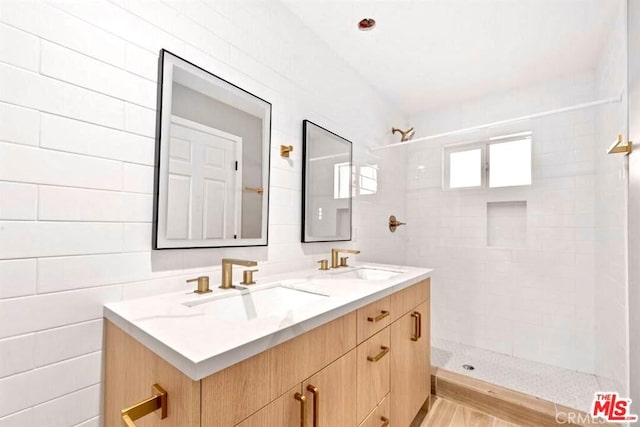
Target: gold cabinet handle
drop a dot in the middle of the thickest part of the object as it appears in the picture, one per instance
(316, 404)
(379, 317)
(385, 421)
(380, 355)
(418, 325)
(147, 406)
(303, 408)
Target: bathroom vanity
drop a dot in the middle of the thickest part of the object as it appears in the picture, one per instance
(346, 347)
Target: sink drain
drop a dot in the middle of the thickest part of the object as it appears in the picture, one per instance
(468, 367)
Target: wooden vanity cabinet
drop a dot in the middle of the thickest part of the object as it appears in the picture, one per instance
(337, 371)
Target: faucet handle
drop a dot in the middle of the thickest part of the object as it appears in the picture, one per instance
(343, 261)
(247, 277)
(324, 264)
(203, 284)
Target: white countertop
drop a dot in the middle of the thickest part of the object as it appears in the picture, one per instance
(200, 344)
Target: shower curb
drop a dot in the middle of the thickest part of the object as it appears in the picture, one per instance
(521, 409)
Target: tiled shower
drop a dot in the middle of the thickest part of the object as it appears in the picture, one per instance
(533, 272)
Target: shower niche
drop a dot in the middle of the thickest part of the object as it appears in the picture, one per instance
(507, 224)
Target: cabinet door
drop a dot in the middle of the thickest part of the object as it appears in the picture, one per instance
(410, 364)
(285, 411)
(331, 394)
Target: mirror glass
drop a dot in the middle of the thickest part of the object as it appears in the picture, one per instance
(326, 204)
(212, 160)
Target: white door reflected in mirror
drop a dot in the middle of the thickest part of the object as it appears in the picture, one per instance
(205, 182)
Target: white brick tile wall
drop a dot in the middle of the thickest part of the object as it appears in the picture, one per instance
(55, 345)
(69, 409)
(18, 201)
(26, 164)
(137, 178)
(22, 419)
(41, 239)
(91, 205)
(139, 120)
(54, 25)
(35, 91)
(77, 142)
(66, 65)
(54, 310)
(19, 48)
(136, 237)
(17, 354)
(75, 272)
(63, 134)
(17, 278)
(19, 125)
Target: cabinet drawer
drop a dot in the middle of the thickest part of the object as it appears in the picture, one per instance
(379, 417)
(407, 299)
(373, 368)
(284, 411)
(373, 318)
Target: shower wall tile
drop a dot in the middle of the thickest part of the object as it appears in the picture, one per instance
(610, 236)
(520, 299)
(77, 129)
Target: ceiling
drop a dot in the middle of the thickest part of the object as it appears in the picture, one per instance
(425, 54)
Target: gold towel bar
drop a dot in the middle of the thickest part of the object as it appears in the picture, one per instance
(147, 406)
(618, 147)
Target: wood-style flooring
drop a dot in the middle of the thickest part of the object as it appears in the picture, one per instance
(445, 413)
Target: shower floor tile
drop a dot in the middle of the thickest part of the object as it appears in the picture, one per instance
(565, 387)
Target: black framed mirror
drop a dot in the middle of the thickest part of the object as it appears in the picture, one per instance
(212, 160)
(326, 185)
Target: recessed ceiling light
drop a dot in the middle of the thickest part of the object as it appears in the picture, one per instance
(366, 24)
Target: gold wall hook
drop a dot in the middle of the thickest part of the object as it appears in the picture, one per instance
(618, 147)
(285, 150)
(394, 223)
(147, 406)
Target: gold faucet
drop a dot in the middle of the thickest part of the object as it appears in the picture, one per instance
(227, 270)
(334, 256)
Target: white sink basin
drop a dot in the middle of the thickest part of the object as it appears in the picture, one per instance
(253, 304)
(366, 273)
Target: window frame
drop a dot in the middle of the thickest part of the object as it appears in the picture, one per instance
(485, 160)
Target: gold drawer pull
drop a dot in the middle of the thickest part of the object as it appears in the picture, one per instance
(303, 408)
(147, 406)
(379, 317)
(316, 404)
(385, 421)
(418, 325)
(380, 355)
